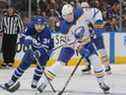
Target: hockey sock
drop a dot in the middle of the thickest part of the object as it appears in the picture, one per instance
(17, 74)
(97, 66)
(100, 79)
(38, 73)
(26, 62)
(104, 57)
(52, 71)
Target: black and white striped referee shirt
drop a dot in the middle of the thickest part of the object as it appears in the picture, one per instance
(11, 24)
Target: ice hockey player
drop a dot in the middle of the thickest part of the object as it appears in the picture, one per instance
(38, 35)
(75, 27)
(95, 18)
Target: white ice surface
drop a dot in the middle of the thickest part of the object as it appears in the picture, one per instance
(79, 85)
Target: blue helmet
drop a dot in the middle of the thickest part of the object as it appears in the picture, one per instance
(39, 20)
(39, 23)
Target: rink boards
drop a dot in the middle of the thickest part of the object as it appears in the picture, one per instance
(115, 44)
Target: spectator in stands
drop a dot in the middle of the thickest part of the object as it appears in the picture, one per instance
(112, 17)
(124, 24)
(26, 20)
(43, 6)
(11, 25)
(54, 17)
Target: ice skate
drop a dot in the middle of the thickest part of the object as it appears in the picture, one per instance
(41, 87)
(34, 84)
(105, 88)
(11, 86)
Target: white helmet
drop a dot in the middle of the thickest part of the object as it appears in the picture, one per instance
(67, 9)
(84, 5)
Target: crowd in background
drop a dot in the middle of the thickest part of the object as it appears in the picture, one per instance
(110, 9)
(52, 10)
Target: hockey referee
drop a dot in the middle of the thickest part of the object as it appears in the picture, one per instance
(11, 25)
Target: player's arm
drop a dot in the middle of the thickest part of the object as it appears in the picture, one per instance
(82, 38)
(25, 36)
(48, 42)
(98, 21)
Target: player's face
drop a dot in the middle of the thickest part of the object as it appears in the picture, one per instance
(39, 27)
(69, 18)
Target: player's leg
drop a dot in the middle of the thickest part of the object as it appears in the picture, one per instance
(89, 52)
(99, 72)
(37, 75)
(25, 63)
(42, 59)
(65, 55)
(99, 43)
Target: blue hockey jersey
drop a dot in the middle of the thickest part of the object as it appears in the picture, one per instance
(43, 37)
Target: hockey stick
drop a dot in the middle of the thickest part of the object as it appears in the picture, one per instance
(39, 45)
(69, 78)
(53, 89)
(54, 49)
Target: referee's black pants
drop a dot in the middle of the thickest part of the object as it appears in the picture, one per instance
(9, 47)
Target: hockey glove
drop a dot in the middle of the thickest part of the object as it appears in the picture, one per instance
(26, 40)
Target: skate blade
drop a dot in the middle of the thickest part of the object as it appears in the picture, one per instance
(3, 90)
(45, 93)
(86, 73)
(57, 93)
(2, 86)
(107, 93)
(37, 93)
